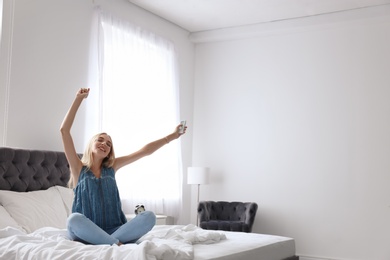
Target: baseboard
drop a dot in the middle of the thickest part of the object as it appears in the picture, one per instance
(305, 257)
(310, 258)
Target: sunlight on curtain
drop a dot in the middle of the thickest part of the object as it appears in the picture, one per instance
(139, 101)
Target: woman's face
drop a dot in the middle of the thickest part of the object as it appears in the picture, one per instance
(102, 145)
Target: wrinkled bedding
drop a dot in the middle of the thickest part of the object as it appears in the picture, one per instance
(163, 242)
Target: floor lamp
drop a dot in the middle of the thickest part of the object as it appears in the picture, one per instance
(197, 175)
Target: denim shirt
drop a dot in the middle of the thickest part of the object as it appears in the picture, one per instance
(98, 199)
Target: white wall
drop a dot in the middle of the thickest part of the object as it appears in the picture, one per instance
(296, 117)
(1, 16)
(45, 59)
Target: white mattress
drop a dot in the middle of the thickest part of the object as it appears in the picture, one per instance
(246, 246)
(163, 242)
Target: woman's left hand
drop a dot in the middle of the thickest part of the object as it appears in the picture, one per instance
(178, 130)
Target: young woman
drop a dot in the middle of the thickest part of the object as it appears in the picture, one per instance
(97, 216)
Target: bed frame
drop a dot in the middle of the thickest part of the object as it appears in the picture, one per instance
(25, 170)
(30, 170)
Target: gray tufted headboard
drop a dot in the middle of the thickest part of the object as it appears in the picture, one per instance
(29, 170)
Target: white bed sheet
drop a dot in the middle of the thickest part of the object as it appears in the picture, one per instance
(248, 246)
(163, 242)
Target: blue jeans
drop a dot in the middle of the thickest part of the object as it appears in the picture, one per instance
(81, 228)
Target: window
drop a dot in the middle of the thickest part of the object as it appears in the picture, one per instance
(139, 104)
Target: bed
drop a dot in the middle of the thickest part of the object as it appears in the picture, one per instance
(35, 203)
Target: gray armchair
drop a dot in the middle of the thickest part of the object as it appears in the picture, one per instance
(228, 216)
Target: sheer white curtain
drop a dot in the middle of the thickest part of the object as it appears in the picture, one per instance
(139, 104)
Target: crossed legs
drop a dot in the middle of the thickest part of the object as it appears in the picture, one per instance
(83, 229)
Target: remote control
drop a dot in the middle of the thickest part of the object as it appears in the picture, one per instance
(183, 124)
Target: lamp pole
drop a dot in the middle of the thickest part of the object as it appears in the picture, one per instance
(197, 175)
(197, 204)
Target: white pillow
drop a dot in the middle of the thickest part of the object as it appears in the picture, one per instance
(6, 220)
(35, 209)
(67, 196)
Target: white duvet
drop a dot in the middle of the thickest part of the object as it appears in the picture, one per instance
(162, 242)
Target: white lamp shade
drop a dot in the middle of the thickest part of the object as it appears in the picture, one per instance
(198, 175)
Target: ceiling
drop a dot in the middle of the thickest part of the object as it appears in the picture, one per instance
(204, 15)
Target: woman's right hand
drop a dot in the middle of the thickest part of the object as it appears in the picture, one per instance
(83, 92)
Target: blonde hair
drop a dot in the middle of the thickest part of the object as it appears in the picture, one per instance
(87, 158)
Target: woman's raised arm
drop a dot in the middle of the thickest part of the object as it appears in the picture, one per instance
(148, 148)
(75, 164)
